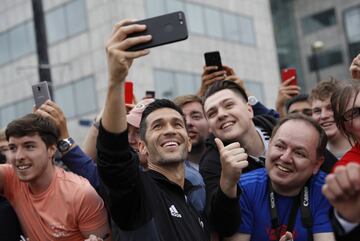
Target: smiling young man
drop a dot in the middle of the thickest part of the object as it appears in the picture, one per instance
(231, 119)
(322, 113)
(286, 195)
(197, 124)
(51, 204)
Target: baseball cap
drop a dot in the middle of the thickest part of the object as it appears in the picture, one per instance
(134, 116)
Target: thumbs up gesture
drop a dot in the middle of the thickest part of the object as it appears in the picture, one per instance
(233, 161)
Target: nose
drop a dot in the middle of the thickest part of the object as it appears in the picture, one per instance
(17, 155)
(188, 121)
(221, 113)
(325, 114)
(169, 129)
(286, 155)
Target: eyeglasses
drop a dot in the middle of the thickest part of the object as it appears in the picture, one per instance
(351, 114)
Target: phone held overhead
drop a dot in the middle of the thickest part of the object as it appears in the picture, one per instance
(164, 29)
(41, 93)
(289, 73)
(213, 59)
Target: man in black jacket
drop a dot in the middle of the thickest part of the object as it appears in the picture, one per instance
(153, 204)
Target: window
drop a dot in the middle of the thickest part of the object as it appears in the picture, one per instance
(85, 96)
(231, 30)
(213, 23)
(4, 48)
(352, 23)
(195, 18)
(325, 59)
(155, 7)
(208, 21)
(7, 114)
(24, 107)
(55, 25)
(256, 89)
(64, 97)
(76, 17)
(247, 35)
(169, 84)
(174, 5)
(66, 21)
(318, 21)
(21, 40)
(77, 98)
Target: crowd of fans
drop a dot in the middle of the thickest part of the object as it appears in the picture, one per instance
(206, 166)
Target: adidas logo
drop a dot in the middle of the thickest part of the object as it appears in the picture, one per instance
(174, 212)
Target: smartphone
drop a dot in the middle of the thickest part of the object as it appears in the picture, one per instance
(41, 93)
(213, 59)
(129, 95)
(164, 29)
(289, 73)
(149, 94)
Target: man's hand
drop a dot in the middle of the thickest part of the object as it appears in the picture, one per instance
(208, 77)
(119, 60)
(52, 111)
(285, 93)
(342, 189)
(233, 161)
(355, 68)
(287, 237)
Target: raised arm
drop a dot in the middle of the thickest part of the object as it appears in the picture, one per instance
(119, 62)
(74, 158)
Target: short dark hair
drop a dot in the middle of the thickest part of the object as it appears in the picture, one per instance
(223, 85)
(295, 99)
(32, 124)
(157, 104)
(306, 119)
(340, 100)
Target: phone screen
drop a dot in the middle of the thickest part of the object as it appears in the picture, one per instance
(289, 73)
(213, 59)
(129, 95)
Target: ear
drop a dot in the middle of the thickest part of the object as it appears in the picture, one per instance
(318, 164)
(250, 110)
(189, 145)
(142, 149)
(52, 151)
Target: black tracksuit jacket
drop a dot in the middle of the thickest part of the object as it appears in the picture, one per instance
(145, 204)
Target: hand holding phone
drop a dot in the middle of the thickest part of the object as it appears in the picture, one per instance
(164, 29)
(41, 93)
(289, 73)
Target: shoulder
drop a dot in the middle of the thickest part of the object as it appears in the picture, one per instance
(193, 175)
(72, 181)
(256, 177)
(318, 180)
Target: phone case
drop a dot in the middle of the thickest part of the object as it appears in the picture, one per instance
(164, 29)
(213, 59)
(41, 93)
(287, 74)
